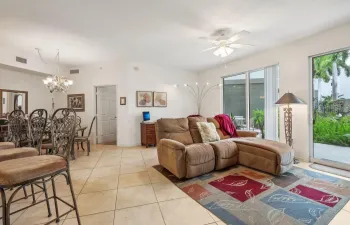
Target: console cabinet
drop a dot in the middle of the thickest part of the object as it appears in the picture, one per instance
(148, 134)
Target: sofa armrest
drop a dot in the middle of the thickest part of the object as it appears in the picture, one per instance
(245, 133)
(174, 145)
(172, 156)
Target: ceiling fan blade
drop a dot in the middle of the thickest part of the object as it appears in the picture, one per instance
(208, 49)
(238, 36)
(240, 45)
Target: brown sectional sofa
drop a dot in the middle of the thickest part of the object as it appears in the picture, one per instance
(181, 151)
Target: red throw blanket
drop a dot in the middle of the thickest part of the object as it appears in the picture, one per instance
(226, 125)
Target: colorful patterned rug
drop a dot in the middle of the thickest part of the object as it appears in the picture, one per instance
(245, 196)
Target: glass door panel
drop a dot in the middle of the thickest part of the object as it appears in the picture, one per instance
(257, 101)
(331, 109)
(234, 91)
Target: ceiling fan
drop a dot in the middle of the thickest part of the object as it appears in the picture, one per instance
(224, 45)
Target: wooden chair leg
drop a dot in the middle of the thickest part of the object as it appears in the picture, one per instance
(78, 145)
(88, 146)
(82, 145)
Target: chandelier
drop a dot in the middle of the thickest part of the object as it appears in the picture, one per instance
(56, 83)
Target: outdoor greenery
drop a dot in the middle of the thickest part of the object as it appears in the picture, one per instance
(332, 121)
(332, 130)
(259, 120)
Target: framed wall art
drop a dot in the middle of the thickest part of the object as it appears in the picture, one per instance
(160, 99)
(76, 102)
(122, 100)
(144, 98)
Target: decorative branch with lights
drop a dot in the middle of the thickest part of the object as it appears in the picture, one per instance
(199, 92)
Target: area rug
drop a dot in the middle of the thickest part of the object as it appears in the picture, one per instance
(331, 170)
(245, 196)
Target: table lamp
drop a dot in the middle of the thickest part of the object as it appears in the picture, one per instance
(288, 99)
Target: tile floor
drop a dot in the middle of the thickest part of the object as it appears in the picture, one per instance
(118, 186)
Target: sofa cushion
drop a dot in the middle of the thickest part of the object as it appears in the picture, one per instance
(208, 132)
(192, 123)
(226, 154)
(16, 171)
(218, 130)
(174, 129)
(6, 145)
(269, 156)
(200, 159)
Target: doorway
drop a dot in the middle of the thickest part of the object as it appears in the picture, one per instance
(331, 109)
(106, 111)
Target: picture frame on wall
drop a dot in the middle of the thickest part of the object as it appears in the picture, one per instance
(76, 102)
(160, 99)
(144, 98)
(122, 100)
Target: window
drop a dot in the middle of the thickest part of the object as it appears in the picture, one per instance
(249, 98)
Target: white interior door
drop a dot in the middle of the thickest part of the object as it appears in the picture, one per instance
(106, 115)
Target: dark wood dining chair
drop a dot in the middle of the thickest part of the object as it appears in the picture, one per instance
(18, 173)
(82, 139)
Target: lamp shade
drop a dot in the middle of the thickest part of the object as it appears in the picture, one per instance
(289, 98)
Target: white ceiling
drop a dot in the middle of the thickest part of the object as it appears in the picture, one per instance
(164, 32)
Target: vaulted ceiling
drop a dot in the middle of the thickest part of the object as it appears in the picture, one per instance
(164, 32)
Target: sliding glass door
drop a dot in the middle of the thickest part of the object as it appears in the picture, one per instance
(331, 109)
(249, 99)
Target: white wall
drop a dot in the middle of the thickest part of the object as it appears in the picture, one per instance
(128, 80)
(294, 77)
(23, 80)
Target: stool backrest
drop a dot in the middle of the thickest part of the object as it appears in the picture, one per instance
(63, 130)
(37, 126)
(18, 126)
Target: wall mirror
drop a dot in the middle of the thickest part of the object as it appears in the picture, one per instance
(12, 100)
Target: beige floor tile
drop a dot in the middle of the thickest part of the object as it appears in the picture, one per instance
(150, 162)
(347, 207)
(14, 207)
(147, 214)
(108, 161)
(215, 218)
(38, 214)
(131, 153)
(149, 154)
(132, 161)
(220, 223)
(184, 211)
(105, 171)
(167, 191)
(156, 176)
(135, 196)
(80, 165)
(106, 218)
(95, 184)
(76, 175)
(63, 190)
(96, 202)
(114, 153)
(342, 218)
(20, 194)
(93, 152)
(132, 168)
(133, 179)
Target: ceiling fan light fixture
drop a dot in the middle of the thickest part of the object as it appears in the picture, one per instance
(223, 52)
